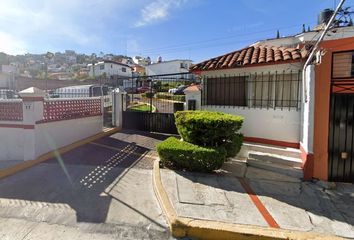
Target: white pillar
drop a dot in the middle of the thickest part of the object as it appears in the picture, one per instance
(118, 99)
(32, 112)
(193, 94)
(307, 111)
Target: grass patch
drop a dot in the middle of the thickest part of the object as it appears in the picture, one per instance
(142, 108)
(170, 96)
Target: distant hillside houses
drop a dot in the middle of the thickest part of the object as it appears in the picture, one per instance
(110, 69)
(168, 67)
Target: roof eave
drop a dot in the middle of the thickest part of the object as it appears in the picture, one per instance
(251, 65)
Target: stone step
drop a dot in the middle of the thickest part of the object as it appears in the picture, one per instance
(263, 174)
(255, 147)
(275, 159)
(235, 167)
(294, 172)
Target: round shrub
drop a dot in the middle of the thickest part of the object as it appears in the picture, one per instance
(187, 156)
(213, 129)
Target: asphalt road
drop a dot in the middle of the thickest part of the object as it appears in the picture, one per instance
(104, 187)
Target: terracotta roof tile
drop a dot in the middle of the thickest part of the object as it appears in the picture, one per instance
(259, 54)
(241, 56)
(262, 55)
(221, 60)
(255, 55)
(278, 55)
(248, 56)
(234, 58)
(193, 88)
(227, 60)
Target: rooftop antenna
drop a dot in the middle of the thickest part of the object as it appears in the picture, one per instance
(278, 34)
(303, 28)
(314, 49)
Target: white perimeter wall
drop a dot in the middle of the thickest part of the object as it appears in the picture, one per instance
(11, 143)
(279, 125)
(53, 135)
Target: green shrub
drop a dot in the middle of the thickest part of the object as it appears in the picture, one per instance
(149, 94)
(233, 146)
(180, 98)
(211, 129)
(169, 96)
(183, 155)
(164, 95)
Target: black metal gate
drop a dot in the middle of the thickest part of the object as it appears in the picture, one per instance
(151, 101)
(341, 137)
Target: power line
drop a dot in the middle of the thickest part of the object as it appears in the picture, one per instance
(186, 45)
(210, 45)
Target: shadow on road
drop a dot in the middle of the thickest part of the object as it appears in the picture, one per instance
(81, 177)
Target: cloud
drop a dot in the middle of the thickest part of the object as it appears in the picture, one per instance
(11, 45)
(41, 25)
(157, 10)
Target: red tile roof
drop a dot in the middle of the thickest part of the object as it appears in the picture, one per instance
(193, 88)
(259, 54)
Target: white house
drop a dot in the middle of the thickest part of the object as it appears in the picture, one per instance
(168, 67)
(109, 68)
(308, 37)
(264, 83)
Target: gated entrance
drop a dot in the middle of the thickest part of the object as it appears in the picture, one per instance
(152, 101)
(341, 133)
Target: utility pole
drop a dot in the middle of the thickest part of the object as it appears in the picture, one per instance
(313, 51)
(48, 56)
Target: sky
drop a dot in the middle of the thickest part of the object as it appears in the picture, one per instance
(172, 29)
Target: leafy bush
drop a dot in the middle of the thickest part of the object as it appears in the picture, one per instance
(180, 98)
(149, 94)
(210, 129)
(183, 155)
(233, 146)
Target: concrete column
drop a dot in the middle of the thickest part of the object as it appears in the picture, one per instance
(118, 99)
(32, 112)
(307, 112)
(193, 93)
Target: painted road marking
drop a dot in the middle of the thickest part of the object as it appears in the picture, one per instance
(259, 205)
(123, 150)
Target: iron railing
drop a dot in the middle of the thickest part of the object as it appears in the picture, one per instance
(257, 90)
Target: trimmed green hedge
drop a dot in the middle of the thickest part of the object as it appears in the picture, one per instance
(180, 98)
(183, 155)
(211, 129)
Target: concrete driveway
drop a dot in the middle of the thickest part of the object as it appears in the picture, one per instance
(108, 181)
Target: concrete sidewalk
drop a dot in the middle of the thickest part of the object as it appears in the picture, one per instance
(258, 201)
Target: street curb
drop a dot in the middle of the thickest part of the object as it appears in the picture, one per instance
(204, 229)
(6, 172)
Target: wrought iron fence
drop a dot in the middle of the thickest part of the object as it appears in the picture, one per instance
(259, 90)
(152, 100)
(158, 93)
